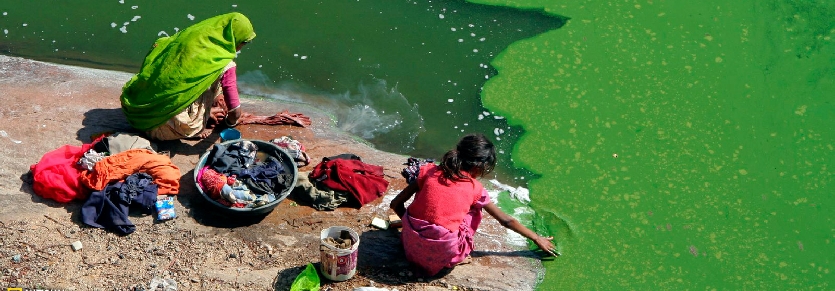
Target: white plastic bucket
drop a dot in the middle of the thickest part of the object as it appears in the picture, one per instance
(338, 264)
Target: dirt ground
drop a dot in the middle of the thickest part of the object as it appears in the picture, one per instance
(47, 106)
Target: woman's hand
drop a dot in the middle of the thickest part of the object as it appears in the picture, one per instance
(231, 119)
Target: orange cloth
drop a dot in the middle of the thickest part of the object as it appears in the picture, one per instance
(119, 166)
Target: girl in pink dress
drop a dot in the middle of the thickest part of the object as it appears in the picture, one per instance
(438, 226)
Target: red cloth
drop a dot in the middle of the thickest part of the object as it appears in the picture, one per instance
(365, 182)
(57, 176)
(441, 201)
(283, 118)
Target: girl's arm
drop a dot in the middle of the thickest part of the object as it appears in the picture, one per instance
(398, 204)
(508, 221)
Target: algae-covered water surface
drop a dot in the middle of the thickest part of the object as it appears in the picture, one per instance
(682, 145)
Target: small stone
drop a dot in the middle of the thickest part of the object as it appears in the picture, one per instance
(195, 280)
(153, 265)
(233, 255)
(16, 258)
(44, 268)
(76, 245)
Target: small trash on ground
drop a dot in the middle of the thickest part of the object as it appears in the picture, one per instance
(394, 221)
(165, 208)
(307, 280)
(76, 245)
(379, 223)
(159, 284)
(16, 258)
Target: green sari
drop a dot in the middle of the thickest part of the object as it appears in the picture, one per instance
(179, 68)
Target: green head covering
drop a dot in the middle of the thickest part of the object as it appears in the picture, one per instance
(179, 68)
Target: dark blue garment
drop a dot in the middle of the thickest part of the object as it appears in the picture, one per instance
(232, 158)
(109, 208)
(268, 177)
(412, 170)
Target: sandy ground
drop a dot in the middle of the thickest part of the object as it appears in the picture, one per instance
(47, 106)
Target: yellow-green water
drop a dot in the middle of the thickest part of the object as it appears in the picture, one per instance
(682, 144)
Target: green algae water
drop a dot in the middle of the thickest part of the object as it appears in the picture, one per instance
(681, 145)
(676, 145)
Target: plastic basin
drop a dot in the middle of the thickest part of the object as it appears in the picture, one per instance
(286, 161)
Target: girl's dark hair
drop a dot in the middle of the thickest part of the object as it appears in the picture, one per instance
(474, 151)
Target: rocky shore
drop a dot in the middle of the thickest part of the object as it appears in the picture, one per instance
(47, 106)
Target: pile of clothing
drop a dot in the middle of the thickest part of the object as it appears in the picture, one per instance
(111, 174)
(340, 179)
(236, 175)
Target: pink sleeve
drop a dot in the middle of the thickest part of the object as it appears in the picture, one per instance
(229, 82)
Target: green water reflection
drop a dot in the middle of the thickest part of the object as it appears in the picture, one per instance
(682, 145)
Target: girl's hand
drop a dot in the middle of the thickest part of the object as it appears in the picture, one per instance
(545, 244)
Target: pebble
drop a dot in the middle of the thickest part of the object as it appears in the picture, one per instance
(195, 280)
(16, 258)
(233, 255)
(76, 245)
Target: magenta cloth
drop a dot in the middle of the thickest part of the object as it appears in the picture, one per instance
(433, 247)
(56, 176)
(229, 83)
(441, 201)
(364, 181)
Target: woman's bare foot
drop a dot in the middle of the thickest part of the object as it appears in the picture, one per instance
(205, 133)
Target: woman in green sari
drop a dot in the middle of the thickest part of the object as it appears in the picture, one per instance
(172, 95)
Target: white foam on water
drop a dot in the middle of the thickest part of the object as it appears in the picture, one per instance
(453, 28)
(113, 24)
(121, 1)
(135, 18)
(123, 29)
(520, 194)
(441, 16)
(134, 7)
(162, 32)
(25, 24)
(5, 31)
(304, 57)
(450, 100)
(5, 13)
(190, 17)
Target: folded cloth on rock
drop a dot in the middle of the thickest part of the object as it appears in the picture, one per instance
(118, 167)
(110, 207)
(283, 118)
